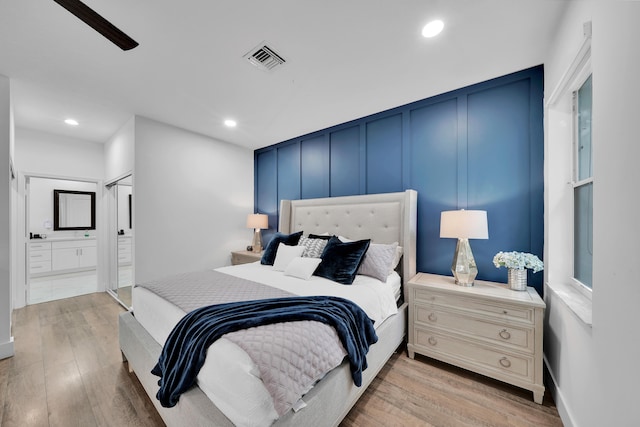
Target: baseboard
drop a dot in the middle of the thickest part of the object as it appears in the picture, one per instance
(558, 398)
(6, 349)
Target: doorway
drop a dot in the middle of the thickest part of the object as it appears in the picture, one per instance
(61, 239)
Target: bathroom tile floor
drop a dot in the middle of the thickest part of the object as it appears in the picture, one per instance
(50, 288)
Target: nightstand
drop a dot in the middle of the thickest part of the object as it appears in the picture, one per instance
(486, 328)
(244, 257)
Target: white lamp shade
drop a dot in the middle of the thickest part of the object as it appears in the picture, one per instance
(463, 224)
(260, 221)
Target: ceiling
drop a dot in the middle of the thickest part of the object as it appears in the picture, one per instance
(344, 60)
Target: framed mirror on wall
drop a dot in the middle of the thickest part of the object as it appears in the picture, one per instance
(74, 210)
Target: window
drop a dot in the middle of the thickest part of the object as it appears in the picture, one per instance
(583, 185)
(569, 184)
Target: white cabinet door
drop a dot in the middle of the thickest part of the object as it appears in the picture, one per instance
(64, 258)
(88, 257)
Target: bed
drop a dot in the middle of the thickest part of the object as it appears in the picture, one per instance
(383, 218)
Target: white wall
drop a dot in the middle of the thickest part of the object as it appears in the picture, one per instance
(6, 124)
(41, 203)
(616, 294)
(49, 154)
(191, 197)
(596, 368)
(119, 152)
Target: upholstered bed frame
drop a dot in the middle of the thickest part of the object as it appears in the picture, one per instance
(384, 218)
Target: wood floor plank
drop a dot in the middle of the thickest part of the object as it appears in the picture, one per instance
(5, 367)
(27, 346)
(26, 398)
(118, 399)
(67, 398)
(56, 347)
(86, 349)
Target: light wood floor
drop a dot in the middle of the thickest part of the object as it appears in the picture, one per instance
(67, 371)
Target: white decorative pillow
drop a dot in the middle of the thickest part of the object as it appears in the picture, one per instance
(396, 258)
(302, 268)
(313, 247)
(285, 254)
(378, 260)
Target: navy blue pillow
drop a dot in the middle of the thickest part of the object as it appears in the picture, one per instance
(269, 255)
(341, 260)
(320, 236)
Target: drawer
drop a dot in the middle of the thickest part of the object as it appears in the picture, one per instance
(519, 338)
(39, 267)
(496, 309)
(482, 359)
(244, 258)
(73, 244)
(238, 259)
(39, 246)
(35, 256)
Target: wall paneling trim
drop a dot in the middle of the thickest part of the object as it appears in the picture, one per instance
(478, 147)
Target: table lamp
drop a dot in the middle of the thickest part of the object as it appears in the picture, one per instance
(257, 222)
(464, 225)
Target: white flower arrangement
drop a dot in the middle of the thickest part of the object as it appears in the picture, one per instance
(518, 260)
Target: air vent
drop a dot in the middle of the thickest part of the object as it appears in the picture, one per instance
(263, 57)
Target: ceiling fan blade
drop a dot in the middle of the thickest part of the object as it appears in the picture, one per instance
(98, 23)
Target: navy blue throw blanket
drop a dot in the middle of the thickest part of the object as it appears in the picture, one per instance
(186, 348)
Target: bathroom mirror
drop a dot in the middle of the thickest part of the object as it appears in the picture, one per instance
(74, 210)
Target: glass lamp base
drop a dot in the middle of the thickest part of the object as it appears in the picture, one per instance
(257, 241)
(463, 266)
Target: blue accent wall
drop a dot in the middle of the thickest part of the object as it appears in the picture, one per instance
(478, 147)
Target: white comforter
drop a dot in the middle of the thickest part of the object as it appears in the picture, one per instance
(231, 376)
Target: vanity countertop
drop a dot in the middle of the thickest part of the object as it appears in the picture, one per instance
(61, 239)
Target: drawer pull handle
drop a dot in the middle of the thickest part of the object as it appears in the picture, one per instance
(504, 334)
(505, 363)
(432, 317)
(432, 341)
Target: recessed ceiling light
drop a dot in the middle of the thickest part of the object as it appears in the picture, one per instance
(230, 123)
(433, 28)
(72, 122)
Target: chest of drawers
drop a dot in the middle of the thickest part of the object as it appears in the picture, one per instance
(487, 328)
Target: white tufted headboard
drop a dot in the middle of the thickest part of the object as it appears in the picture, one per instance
(383, 218)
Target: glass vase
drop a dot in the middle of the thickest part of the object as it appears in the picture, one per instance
(517, 279)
